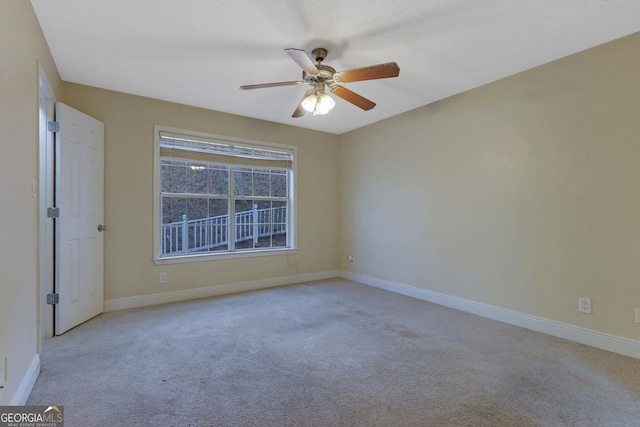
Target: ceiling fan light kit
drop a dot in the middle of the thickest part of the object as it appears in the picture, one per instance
(318, 103)
(319, 76)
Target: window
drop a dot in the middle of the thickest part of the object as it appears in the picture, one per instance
(218, 196)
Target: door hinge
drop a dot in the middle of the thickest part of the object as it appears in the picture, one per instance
(53, 212)
(53, 126)
(53, 299)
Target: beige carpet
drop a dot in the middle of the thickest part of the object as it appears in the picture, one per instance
(333, 353)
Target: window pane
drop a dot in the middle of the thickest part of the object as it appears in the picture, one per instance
(261, 183)
(218, 225)
(279, 224)
(193, 178)
(196, 181)
(243, 205)
(172, 209)
(244, 224)
(262, 226)
(253, 182)
(279, 184)
(192, 225)
(173, 175)
(218, 180)
(197, 208)
(243, 182)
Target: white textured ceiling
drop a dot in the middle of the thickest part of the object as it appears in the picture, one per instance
(198, 52)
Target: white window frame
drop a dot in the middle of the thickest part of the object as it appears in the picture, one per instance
(159, 259)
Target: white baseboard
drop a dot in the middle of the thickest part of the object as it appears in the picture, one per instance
(26, 385)
(210, 291)
(613, 343)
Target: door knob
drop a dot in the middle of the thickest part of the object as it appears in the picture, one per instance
(102, 227)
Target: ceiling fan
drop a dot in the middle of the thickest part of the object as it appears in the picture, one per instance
(320, 77)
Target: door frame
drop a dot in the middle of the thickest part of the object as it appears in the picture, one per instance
(46, 231)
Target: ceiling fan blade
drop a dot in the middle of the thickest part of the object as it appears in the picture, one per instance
(263, 85)
(302, 59)
(300, 111)
(352, 97)
(380, 71)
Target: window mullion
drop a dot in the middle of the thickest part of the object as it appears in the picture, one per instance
(232, 210)
(290, 209)
(194, 196)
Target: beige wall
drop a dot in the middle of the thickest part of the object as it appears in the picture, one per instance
(523, 194)
(129, 121)
(22, 49)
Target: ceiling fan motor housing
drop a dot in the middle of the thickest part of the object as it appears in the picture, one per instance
(319, 54)
(325, 73)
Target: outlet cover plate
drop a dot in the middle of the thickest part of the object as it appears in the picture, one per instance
(584, 305)
(637, 314)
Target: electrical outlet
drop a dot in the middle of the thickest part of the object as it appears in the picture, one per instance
(637, 315)
(584, 305)
(350, 259)
(163, 278)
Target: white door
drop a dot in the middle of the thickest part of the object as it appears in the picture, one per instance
(79, 196)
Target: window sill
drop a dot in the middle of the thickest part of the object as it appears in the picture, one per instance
(215, 257)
